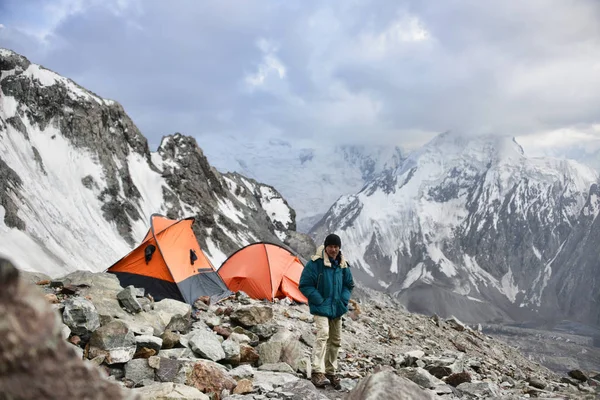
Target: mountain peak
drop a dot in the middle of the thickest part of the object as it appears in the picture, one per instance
(472, 218)
(12, 63)
(485, 147)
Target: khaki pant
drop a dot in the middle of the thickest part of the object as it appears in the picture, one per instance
(327, 344)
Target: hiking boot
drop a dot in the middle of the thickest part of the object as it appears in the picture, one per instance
(335, 381)
(318, 379)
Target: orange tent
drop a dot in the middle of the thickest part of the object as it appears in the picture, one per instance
(264, 271)
(170, 264)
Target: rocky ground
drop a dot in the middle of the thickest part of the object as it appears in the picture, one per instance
(241, 348)
(558, 350)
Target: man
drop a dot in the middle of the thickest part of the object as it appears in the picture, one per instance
(327, 283)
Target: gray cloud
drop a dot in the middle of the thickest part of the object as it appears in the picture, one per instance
(383, 71)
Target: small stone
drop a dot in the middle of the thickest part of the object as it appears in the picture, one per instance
(51, 298)
(243, 386)
(457, 379)
(154, 362)
(536, 383)
(579, 375)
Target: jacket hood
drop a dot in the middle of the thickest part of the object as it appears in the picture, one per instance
(320, 253)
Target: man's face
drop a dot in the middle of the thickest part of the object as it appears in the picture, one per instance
(332, 250)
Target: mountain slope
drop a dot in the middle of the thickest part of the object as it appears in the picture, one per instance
(474, 225)
(78, 183)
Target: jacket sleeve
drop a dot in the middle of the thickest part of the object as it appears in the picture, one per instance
(308, 284)
(348, 285)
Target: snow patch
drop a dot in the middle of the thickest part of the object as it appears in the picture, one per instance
(9, 107)
(213, 253)
(418, 273)
(228, 209)
(275, 206)
(383, 284)
(55, 242)
(150, 185)
(508, 286)
(536, 252)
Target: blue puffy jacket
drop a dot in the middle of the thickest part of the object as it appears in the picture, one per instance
(327, 284)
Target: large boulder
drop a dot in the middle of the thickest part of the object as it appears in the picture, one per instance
(302, 389)
(128, 299)
(388, 385)
(232, 351)
(138, 370)
(284, 346)
(252, 315)
(114, 341)
(302, 243)
(170, 391)
(35, 361)
(206, 345)
(80, 316)
(208, 377)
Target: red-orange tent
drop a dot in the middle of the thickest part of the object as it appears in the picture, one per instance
(264, 271)
(170, 264)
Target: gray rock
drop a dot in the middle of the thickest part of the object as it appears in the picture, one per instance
(267, 381)
(283, 346)
(212, 320)
(239, 338)
(168, 369)
(480, 389)
(578, 374)
(172, 307)
(170, 339)
(277, 367)
(421, 377)
(248, 316)
(302, 243)
(35, 362)
(80, 316)
(177, 353)
(137, 370)
(389, 386)
(232, 351)
(179, 324)
(115, 341)
(308, 338)
(116, 372)
(455, 324)
(411, 357)
(254, 339)
(241, 372)
(127, 298)
(149, 342)
(301, 389)
(170, 391)
(154, 362)
(265, 331)
(65, 332)
(537, 383)
(78, 351)
(33, 277)
(206, 345)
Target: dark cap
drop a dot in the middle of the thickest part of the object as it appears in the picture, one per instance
(333, 239)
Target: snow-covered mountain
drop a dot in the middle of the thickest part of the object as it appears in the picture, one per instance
(474, 227)
(78, 183)
(310, 177)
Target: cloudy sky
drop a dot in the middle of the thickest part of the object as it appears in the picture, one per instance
(388, 71)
